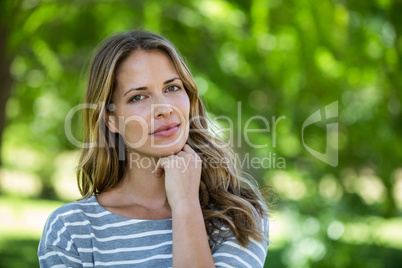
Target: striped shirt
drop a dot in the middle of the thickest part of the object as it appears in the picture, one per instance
(84, 234)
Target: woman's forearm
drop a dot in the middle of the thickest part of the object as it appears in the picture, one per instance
(190, 240)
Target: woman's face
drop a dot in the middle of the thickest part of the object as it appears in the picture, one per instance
(149, 95)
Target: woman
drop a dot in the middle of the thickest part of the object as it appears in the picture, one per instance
(150, 195)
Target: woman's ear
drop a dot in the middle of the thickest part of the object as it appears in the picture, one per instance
(110, 120)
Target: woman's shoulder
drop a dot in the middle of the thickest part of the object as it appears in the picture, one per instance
(80, 203)
(78, 211)
(65, 216)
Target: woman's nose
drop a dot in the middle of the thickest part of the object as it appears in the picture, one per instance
(162, 110)
(161, 107)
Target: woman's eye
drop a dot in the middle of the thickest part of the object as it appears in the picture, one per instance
(140, 97)
(136, 98)
(173, 88)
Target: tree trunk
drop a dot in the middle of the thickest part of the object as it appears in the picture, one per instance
(5, 79)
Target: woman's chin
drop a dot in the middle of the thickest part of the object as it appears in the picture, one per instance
(169, 151)
(159, 151)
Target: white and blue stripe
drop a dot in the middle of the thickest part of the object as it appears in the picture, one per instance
(84, 234)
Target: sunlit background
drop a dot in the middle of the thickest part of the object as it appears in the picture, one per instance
(275, 58)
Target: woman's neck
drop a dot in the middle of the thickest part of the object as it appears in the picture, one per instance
(141, 186)
(138, 191)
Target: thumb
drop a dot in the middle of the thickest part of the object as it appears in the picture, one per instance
(159, 167)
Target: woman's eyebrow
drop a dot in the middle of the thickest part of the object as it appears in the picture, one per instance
(171, 80)
(145, 88)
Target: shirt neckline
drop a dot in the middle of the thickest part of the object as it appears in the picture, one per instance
(94, 199)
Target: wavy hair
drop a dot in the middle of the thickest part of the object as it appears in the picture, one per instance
(227, 196)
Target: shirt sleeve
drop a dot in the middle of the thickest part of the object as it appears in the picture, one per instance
(56, 248)
(231, 254)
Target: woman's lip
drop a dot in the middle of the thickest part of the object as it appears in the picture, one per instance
(167, 132)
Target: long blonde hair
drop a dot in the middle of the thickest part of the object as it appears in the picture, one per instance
(227, 196)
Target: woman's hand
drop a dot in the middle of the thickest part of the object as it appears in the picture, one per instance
(182, 176)
(182, 183)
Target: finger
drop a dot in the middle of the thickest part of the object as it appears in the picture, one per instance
(183, 154)
(187, 148)
(183, 159)
(189, 152)
(159, 172)
(159, 167)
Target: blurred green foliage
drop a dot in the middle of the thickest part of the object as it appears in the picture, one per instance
(277, 58)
